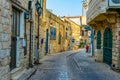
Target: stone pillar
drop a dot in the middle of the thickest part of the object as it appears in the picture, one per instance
(116, 44)
(98, 52)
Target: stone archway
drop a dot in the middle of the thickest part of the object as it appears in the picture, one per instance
(107, 46)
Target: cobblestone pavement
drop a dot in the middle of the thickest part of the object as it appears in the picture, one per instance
(82, 67)
(53, 67)
(73, 66)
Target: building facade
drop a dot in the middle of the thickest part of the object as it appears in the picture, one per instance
(26, 37)
(104, 19)
(57, 34)
(78, 24)
(75, 31)
(17, 38)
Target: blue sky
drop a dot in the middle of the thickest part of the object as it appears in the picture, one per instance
(65, 7)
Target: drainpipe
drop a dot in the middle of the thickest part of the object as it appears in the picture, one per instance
(39, 11)
(37, 61)
(30, 12)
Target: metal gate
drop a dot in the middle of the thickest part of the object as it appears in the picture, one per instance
(107, 46)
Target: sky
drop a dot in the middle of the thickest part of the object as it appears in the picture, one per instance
(65, 7)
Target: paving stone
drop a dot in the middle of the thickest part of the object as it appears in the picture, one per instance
(76, 66)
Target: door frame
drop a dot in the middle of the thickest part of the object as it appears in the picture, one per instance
(18, 17)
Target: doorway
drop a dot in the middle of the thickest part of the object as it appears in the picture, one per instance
(107, 46)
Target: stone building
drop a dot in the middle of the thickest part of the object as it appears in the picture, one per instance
(78, 24)
(75, 31)
(103, 16)
(5, 39)
(57, 34)
(84, 37)
(17, 38)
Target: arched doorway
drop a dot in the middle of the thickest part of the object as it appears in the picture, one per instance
(99, 40)
(107, 46)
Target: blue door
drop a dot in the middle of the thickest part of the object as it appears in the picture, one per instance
(47, 41)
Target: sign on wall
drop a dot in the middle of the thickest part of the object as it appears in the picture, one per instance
(52, 33)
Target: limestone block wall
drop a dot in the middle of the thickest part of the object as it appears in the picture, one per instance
(5, 39)
(24, 59)
(74, 31)
(54, 21)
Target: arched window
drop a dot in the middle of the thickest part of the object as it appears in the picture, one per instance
(99, 40)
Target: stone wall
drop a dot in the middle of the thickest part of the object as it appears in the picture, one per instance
(75, 30)
(113, 21)
(24, 59)
(54, 21)
(5, 39)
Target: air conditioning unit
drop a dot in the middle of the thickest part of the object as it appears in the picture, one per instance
(114, 3)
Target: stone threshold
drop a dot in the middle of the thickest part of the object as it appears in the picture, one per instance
(26, 74)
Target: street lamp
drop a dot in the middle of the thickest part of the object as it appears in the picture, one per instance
(39, 11)
(38, 7)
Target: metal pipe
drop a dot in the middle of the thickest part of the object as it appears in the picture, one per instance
(92, 42)
(38, 39)
(30, 61)
(25, 49)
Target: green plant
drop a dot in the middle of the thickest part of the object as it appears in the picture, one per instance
(82, 45)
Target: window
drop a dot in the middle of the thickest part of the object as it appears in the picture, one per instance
(52, 33)
(15, 23)
(82, 32)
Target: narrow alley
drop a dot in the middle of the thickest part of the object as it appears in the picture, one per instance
(73, 65)
(59, 39)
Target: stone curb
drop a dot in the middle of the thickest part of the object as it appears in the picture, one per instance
(30, 73)
(76, 62)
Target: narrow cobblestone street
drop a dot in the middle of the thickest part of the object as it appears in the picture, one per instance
(73, 66)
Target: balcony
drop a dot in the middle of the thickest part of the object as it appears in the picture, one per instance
(98, 9)
(95, 10)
